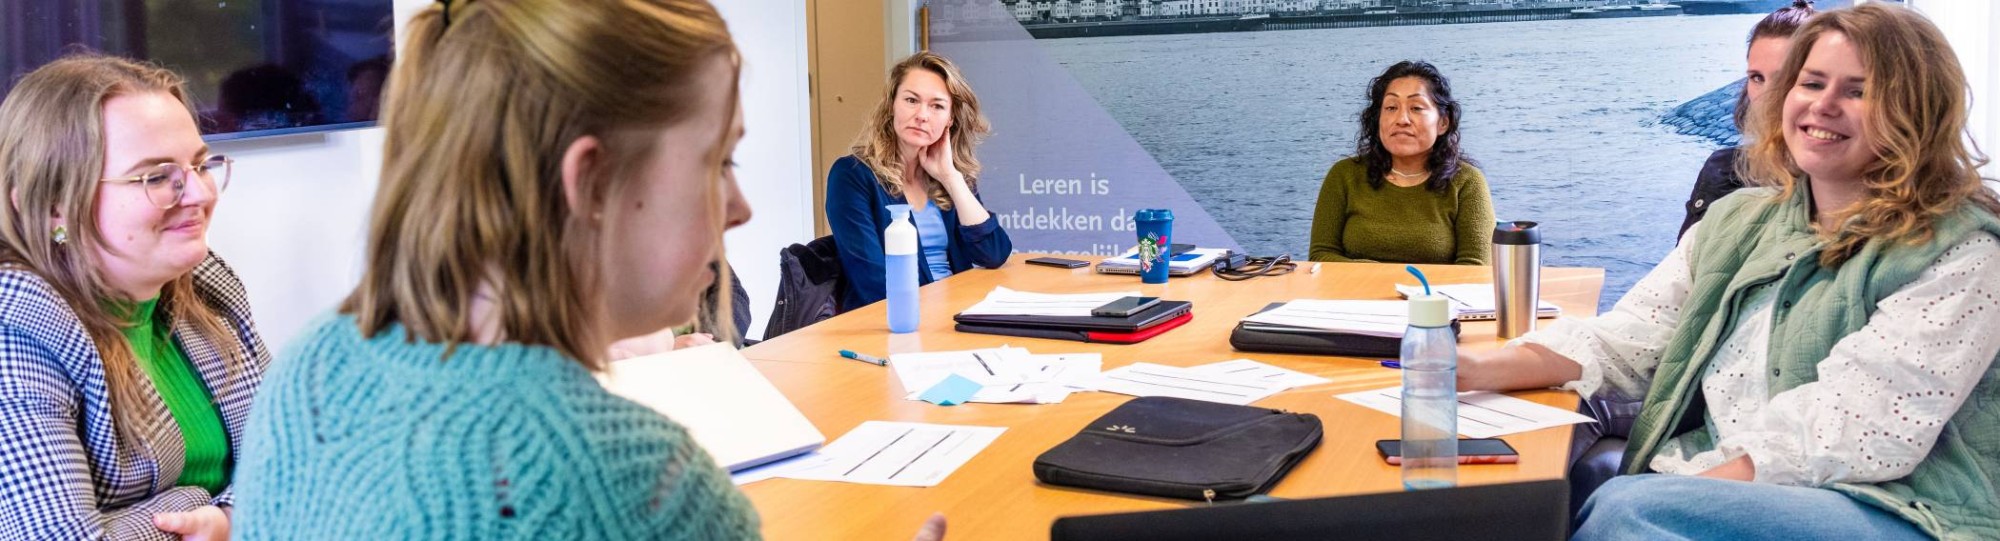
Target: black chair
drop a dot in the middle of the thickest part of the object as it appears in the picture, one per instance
(810, 286)
(1536, 510)
(1597, 450)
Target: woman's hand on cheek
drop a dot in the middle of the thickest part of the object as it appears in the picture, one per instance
(937, 160)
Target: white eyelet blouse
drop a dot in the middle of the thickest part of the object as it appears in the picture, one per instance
(1883, 394)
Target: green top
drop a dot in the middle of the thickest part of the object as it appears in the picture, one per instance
(1356, 222)
(207, 457)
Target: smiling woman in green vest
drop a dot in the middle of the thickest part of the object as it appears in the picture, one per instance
(1817, 359)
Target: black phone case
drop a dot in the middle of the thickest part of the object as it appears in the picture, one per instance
(1059, 263)
(1383, 447)
(1128, 313)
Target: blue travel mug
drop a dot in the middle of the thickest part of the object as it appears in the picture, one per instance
(1156, 231)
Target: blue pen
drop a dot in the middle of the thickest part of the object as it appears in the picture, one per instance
(864, 358)
(1392, 364)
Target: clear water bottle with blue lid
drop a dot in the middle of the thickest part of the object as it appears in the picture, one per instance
(1430, 393)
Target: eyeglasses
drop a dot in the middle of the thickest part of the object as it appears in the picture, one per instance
(166, 183)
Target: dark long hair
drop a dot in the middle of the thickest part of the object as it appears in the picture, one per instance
(1779, 24)
(1445, 155)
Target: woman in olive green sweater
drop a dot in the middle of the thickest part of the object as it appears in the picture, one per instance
(1408, 195)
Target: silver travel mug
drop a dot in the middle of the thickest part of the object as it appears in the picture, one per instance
(1517, 276)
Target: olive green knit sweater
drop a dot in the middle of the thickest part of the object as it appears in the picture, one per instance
(1394, 224)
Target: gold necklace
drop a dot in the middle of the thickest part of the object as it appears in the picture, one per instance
(1408, 175)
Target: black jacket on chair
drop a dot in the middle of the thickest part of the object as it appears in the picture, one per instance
(1717, 179)
(810, 286)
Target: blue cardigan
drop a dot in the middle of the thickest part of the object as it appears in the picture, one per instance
(857, 210)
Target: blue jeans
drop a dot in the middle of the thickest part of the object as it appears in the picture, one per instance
(1655, 506)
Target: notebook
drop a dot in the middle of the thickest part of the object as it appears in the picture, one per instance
(730, 409)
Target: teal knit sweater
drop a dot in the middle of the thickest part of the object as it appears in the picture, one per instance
(384, 438)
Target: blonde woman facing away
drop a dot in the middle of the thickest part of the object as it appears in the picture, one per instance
(557, 175)
(128, 358)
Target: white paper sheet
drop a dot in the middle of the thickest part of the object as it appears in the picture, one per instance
(1148, 379)
(1474, 302)
(1045, 379)
(1007, 375)
(1247, 368)
(1076, 371)
(1007, 302)
(899, 454)
(1372, 318)
(1480, 414)
(988, 367)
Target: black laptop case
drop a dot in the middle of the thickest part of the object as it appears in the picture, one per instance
(1247, 338)
(1156, 315)
(1180, 448)
(1526, 511)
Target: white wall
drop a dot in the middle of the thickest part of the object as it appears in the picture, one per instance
(776, 156)
(293, 221)
(1969, 25)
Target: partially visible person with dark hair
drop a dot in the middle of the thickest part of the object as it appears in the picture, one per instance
(1769, 41)
(265, 97)
(1409, 194)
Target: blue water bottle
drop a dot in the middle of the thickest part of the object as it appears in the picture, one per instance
(1430, 393)
(899, 262)
(1156, 231)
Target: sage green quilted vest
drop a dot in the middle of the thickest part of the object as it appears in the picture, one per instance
(1753, 238)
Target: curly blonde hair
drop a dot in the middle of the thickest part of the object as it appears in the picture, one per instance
(878, 146)
(1916, 125)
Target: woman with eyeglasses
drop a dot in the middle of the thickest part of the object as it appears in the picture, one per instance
(128, 357)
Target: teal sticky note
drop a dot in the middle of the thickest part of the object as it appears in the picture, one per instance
(954, 390)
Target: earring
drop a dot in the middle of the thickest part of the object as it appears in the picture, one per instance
(61, 235)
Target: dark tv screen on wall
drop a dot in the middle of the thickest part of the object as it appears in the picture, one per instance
(254, 67)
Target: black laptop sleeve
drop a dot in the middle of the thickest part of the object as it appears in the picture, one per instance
(1179, 448)
(1156, 315)
(1317, 343)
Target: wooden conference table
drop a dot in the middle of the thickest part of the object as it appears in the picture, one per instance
(996, 496)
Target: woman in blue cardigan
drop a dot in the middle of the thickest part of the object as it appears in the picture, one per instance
(919, 141)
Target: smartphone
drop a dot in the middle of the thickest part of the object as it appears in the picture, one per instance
(1059, 262)
(1470, 451)
(1178, 249)
(1125, 307)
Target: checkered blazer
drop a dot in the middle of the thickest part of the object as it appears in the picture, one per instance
(63, 472)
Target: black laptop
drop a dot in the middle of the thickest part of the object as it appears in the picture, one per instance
(1536, 510)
